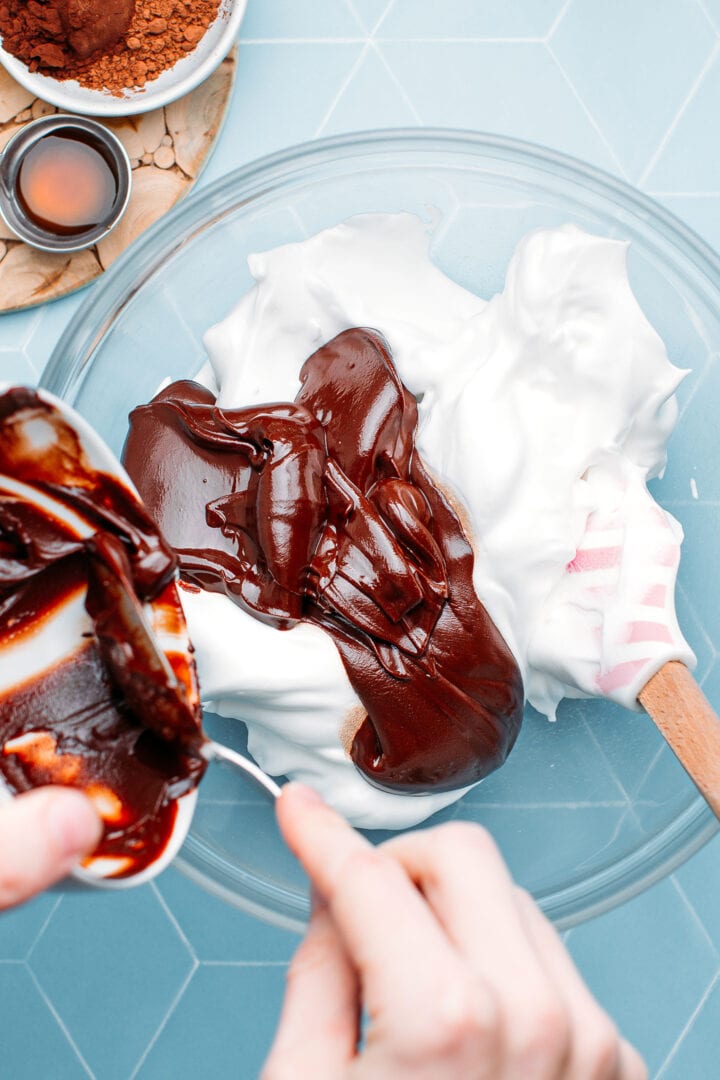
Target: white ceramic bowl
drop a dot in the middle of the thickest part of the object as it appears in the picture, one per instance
(174, 83)
(98, 869)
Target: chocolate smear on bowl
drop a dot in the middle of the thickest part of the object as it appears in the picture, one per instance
(110, 711)
(321, 511)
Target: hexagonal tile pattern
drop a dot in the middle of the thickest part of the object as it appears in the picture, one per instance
(322, 19)
(522, 19)
(484, 86)
(167, 982)
(112, 964)
(16, 367)
(369, 13)
(690, 1057)
(652, 923)
(219, 932)
(32, 1043)
(21, 927)
(372, 98)
(689, 161)
(697, 878)
(222, 1027)
(283, 95)
(632, 69)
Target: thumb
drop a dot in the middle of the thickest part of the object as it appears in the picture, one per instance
(43, 834)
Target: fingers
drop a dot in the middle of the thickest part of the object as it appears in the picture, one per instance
(319, 1025)
(461, 873)
(42, 835)
(632, 1066)
(597, 1050)
(459, 969)
(414, 984)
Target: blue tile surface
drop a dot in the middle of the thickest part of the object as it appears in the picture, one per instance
(690, 158)
(221, 1028)
(698, 1056)
(217, 931)
(286, 19)
(21, 928)
(32, 1043)
(166, 982)
(639, 938)
(460, 19)
(113, 964)
(632, 68)
(512, 89)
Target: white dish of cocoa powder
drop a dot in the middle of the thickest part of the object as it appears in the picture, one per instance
(174, 83)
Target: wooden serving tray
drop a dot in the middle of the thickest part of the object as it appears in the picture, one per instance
(168, 148)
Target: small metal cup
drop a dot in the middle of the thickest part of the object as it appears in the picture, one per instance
(99, 137)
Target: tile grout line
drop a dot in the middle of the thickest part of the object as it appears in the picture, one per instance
(354, 68)
(60, 1022)
(657, 154)
(598, 130)
(688, 1026)
(43, 928)
(703, 7)
(353, 11)
(303, 229)
(173, 920)
(408, 101)
(694, 915)
(163, 1023)
(700, 625)
(388, 8)
(381, 17)
(611, 770)
(641, 782)
(702, 375)
(366, 36)
(245, 963)
(557, 20)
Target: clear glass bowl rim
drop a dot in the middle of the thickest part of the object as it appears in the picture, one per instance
(661, 854)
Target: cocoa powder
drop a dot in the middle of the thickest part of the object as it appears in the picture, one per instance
(160, 32)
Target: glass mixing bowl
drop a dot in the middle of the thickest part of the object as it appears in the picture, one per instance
(594, 807)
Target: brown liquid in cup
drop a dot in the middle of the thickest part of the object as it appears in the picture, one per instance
(65, 184)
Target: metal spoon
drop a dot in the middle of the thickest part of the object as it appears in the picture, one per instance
(214, 751)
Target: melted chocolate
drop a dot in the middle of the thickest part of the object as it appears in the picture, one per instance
(321, 510)
(117, 717)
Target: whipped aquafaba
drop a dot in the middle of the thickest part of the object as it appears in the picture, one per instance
(446, 500)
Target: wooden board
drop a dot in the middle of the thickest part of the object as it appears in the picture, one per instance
(167, 148)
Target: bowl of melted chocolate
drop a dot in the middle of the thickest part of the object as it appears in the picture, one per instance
(285, 427)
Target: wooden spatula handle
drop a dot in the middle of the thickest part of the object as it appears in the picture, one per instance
(687, 720)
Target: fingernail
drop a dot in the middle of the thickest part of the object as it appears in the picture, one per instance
(74, 823)
(304, 794)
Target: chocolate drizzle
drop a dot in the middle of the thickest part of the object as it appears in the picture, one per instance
(321, 510)
(114, 715)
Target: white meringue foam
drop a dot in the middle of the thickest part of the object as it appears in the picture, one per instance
(544, 410)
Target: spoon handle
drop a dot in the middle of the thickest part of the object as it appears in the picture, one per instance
(216, 751)
(688, 722)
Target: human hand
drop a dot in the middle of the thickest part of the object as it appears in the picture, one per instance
(458, 971)
(43, 834)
